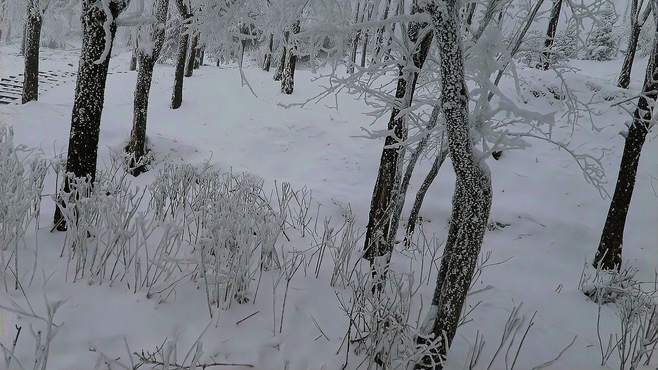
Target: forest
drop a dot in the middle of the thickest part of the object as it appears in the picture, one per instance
(328, 184)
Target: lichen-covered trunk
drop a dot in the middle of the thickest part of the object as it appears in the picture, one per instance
(472, 197)
(191, 55)
(278, 73)
(422, 191)
(553, 20)
(89, 92)
(267, 59)
(177, 95)
(288, 77)
(609, 253)
(31, 72)
(627, 66)
(382, 204)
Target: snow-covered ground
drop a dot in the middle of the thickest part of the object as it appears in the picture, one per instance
(554, 216)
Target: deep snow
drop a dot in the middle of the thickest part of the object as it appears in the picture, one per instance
(555, 218)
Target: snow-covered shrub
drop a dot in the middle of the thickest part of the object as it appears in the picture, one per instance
(636, 307)
(22, 174)
(172, 36)
(602, 43)
(566, 43)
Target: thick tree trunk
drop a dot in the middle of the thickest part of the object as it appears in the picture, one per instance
(550, 33)
(472, 198)
(191, 55)
(288, 78)
(267, 59)
(33, 38)
(89, 93)
(388, 177)
(278, 73)
(420, 196)
(609, 253)
(137, 143)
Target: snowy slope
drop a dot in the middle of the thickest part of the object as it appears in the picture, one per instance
(555, 220)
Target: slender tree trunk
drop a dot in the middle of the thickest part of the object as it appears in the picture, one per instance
(636, 28)
(380, 33)
(357, 36)
(202, 56)
(364, 47)
(470, 12)
(267, 59)
(400, 195)
(382, 203)
(278, 73)
(550, 33)
(137, 143)
(89, 93)
(33, 38)
(288, 78)
(133, 61)
(420, 196)
(191, 55)
(472, 198)
(177, 95)
(24, 40)
(609, 253)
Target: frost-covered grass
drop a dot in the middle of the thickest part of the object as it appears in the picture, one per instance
(241, 245)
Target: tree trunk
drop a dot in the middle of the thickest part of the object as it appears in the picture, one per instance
(550, 33)
(420, 196)
(267, 60)
(177, 96)
(278, 73)
(189, 66)
(89, 93)
(355, 41)
(202, 56)
(400, 195)
(288, 78)
(381, 206)
(470, 12)
(364, 47)
(609, 253)
(472, 197)
(380, 33)
(33, 38)
(133, 61)
(137, 143)
(636, 27)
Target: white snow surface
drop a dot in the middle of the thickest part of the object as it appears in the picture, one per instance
(555, 219)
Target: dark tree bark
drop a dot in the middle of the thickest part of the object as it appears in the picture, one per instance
(278, 73)
(33, 20)
(177, 94)
(380, 33)
(366, 36)
(609, 253)
(420, 195)
(267, 59)
(191, 55)
(202, 56)
(550, 33)
(288, 78)
(137, 144)
(472, 197)
(637, 21)
(89, 93)
(355, 41)
(470, 12)
(382, 203)
(133, 61)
